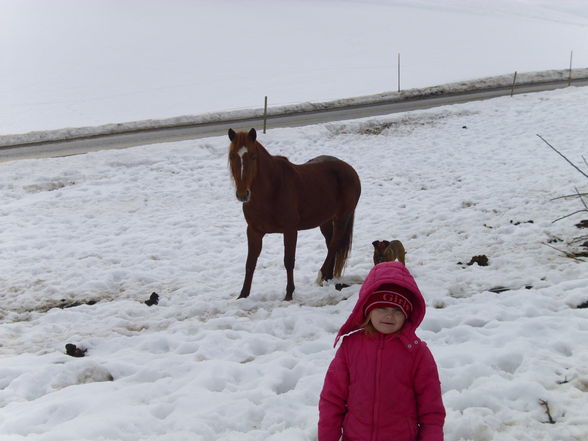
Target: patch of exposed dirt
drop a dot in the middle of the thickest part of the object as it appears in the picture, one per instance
(48, 186)
(403, 126)
(481, 260)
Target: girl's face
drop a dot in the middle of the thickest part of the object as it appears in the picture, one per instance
(387, 320)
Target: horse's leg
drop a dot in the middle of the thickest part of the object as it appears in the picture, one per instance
(290, 238)
(254, 242)
(344, 244)
(327, 231)
(339, 242)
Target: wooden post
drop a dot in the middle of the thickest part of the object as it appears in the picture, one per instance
(399, 72)
(514, 80)
(265, 115)
(570, 75)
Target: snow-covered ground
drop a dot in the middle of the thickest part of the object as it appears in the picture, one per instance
(72, 63)
(105, 230)
(112, 227)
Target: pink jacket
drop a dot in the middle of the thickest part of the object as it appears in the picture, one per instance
(384, 387)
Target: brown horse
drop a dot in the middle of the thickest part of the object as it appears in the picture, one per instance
(281, 197)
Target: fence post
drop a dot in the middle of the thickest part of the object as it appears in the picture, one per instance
(399, 72)
(513, 83)
(265, 115)
(570, 75)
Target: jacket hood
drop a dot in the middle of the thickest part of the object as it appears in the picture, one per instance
(386, 273)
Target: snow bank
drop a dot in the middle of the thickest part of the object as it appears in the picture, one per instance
(236, 115)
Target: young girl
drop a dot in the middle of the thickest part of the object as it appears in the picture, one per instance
(383, 383)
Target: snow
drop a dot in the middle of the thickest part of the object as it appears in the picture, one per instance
(70, 64)
(111, 227)
(86, 239)
(479, 84)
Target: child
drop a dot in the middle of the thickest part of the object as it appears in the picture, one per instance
(383, 383)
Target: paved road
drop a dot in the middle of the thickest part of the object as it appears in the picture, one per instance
(171, 134)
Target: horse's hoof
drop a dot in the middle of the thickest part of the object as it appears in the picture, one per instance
(288, 298)
(241, 296)
(319, 279)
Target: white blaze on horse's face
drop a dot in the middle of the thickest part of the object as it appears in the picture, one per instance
(243, 162)
(242, 152)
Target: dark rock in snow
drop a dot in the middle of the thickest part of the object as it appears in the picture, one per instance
(481, 260)
(153, 299)
(582, 224)
(73, 351)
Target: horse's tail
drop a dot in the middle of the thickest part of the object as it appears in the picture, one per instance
(345, 245)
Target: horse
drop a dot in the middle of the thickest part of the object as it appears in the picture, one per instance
(281, 197)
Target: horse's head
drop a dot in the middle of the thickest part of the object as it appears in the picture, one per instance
(243, 153)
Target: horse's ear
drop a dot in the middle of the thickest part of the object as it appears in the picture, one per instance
(252, 134)
(232, 134)
(375, 242)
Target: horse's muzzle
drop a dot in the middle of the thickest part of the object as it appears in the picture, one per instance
(244, 197)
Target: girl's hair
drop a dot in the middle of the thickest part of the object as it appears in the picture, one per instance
(368, 328)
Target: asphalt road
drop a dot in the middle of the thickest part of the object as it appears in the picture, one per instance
(180, 133)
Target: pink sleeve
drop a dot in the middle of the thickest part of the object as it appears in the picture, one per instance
(333, 399)
(430, 409)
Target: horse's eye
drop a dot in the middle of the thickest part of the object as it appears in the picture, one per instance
(253, 157)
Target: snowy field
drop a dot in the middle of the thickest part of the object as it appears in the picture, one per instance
(78, 63)
(85, 240)
(105, 230)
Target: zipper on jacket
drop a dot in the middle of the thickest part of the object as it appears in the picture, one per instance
(376, 408)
